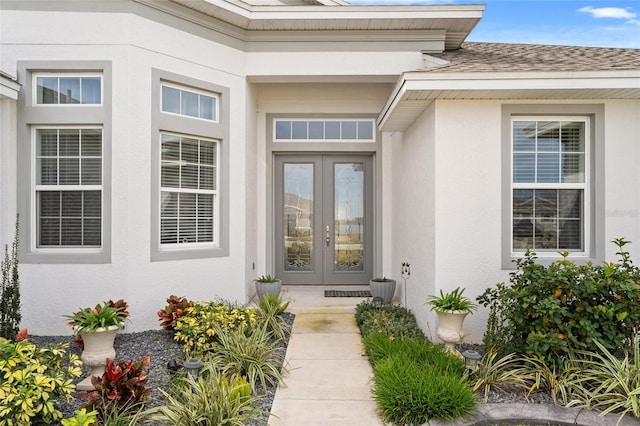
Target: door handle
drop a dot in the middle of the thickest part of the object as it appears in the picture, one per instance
(327, 237)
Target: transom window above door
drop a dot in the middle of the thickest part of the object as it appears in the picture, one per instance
(189, 102)
(328, 130)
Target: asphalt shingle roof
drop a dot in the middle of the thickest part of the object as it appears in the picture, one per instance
(503, 57)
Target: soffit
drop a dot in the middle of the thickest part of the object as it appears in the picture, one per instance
(456, 20)
(414, 94)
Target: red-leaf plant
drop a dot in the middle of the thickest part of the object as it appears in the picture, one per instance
(177, 306)
(122, 385)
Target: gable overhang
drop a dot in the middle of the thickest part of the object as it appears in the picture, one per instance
(415, 91)
(333, 21)
(9, 86)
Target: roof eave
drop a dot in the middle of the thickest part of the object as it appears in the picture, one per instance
(456, 20)
(415, 91)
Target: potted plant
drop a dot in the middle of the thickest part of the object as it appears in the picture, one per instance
(452, 308)
(97, 327)
(266, 284)
(382, 288)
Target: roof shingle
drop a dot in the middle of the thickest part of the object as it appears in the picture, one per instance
(505, 57)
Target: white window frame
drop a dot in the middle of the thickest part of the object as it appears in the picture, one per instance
(35, 188)
(214, 192)
(34, 83)
(337, 119)
(215, 96)
(584, 186)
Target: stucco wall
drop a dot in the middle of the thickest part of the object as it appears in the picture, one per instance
(447, 199)
(134, 45)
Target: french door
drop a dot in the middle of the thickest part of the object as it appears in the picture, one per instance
(323, 219)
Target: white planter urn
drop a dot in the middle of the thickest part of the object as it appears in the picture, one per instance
(98, 346)
(272, 289)
(450, 327)
(383, 290)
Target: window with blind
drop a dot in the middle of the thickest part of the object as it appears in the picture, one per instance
(68, 187)
(549, 182)
(188, 190)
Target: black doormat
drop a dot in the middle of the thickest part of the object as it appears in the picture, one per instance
(347, 293)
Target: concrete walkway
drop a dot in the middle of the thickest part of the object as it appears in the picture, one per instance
(328, 383)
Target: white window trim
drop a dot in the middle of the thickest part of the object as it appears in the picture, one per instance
(213, 95)
(34, 84)
(168, 247)
(33, 219)
(586, 207)
(312, 140)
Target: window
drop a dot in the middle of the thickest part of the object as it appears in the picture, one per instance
(68, 187)
(64, 162)
(189, 167)
(549, 196)
(324, 130)
(188, 175)
(189, 102)
(68, 89)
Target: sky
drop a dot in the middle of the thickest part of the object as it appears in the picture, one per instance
(600, 23)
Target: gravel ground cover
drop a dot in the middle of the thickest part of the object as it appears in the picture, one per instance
(160, 346)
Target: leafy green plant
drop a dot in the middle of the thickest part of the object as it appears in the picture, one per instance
(410, 392)
(176, 307)
(199, 327)
(266, 279)
(495, 372)
(549, 311)
(390, 320)
(32, 381)
(269, 316)
(249, 353)
(121, 386)
(557, 379)
(82, 418)
(105, 315)
(10, 315)
(209, 399)
(451, 301)
(608, 383)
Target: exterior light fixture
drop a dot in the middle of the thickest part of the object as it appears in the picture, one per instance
(192, 366)
(471, 360)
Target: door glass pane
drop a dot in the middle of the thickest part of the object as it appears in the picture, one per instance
(349, 216)
(298, 216)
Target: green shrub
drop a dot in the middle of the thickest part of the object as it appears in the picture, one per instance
(411, 392)
(269, 316)
(379, 347)
(250, 354)
(608, 383)
(82, 418)
(552, 310)
(198, 328)
(389, 320)
(32, 381)
(10, 315)
(209, 399)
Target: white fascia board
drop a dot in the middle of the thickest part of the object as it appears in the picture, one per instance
(521, 80)
(349, 12)
(9, 88)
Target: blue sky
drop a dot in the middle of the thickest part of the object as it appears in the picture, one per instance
(602, 23)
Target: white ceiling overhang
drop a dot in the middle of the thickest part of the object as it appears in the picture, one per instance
(249, 22)
(9, 86)
(417, 90)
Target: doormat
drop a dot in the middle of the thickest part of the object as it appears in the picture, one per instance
(347, 293)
